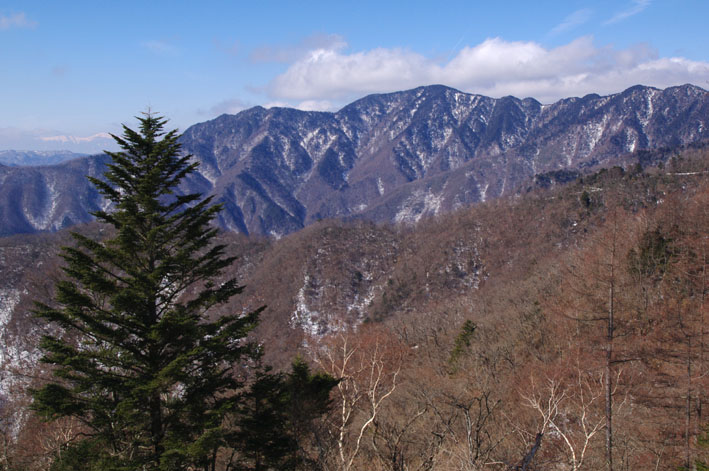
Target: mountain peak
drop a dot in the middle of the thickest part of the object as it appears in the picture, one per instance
(386, 157)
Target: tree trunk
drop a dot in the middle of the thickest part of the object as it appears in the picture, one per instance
(688, 409)
(609, 356)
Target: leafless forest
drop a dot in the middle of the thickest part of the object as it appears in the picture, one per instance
(559, 329)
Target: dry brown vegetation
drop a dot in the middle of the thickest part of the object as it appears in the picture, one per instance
(561, 329)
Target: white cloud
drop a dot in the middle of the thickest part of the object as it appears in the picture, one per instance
(636, 7)
(327, 73)
(494, 67)
(16, 20)
(277, 104)
(575, 19)
(315, 105)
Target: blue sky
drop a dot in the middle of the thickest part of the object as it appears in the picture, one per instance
(72, 71)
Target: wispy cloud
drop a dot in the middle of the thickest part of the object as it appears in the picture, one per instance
(231, 106)
(16, 20)
(231, 48)
(636, 7)
(290, 53)
(59, 70)
(494, 67)
(160, 47)
(575, 19)
(235, 105)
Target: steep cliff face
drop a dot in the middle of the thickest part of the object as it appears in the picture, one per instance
(389, 157)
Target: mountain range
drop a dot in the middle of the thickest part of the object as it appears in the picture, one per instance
(389, 157)
(16, 158)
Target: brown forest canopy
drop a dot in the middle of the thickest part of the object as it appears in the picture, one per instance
(488, 338)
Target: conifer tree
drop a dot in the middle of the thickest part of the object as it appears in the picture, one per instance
(277, 418)
(141, 362)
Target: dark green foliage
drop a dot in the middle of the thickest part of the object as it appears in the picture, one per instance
(585, 199)
(548, 179)
(308, 398)
(85, 455)
(653, 254)
(277, 417)
(703, 442)
(637, 169)
(262, 426)
(397, 292)
(462, 343)
(141, 364)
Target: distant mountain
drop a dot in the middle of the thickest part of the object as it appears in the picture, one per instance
(398, 156)
(49, 198)
(389, 157)
(16, 158)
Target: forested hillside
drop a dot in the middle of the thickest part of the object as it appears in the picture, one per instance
(559, 328)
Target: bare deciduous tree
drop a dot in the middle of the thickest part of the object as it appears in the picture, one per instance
(570, 412)
(368, 364)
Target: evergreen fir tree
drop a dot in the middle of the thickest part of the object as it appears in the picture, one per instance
(277, 419)
(141, 361)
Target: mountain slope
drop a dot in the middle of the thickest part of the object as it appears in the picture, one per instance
(398, 156)
(388, 157)
(48, 198)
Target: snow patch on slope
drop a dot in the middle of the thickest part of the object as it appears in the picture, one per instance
(645, 115)
(18, 365)
(483, 192)
(209, 174)
(361, 302)
(17, 359)
(8, 301)
(310, 321)
(45, 219)
(594, 133)
(417, 205)
(380, 186)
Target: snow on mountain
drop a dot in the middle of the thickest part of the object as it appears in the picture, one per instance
(388, 157)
